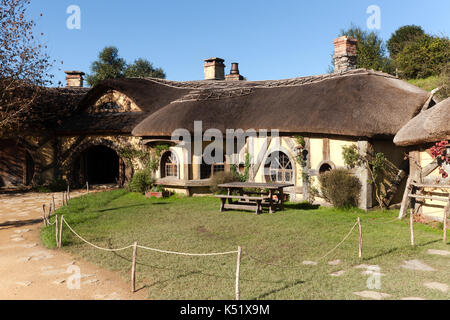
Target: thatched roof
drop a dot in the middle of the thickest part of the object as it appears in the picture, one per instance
(431, 125)
(100, 123)
(354, 103)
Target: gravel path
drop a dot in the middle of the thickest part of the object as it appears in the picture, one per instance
(30, 271)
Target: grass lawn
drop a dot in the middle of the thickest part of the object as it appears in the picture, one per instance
(118, 218)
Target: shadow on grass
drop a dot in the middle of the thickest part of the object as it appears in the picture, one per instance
(287, 286)
(392, 250)
(124, 207)
(301, 206)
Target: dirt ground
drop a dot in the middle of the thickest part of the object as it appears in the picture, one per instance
(30, 271)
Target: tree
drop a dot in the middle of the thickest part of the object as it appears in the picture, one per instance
(24, 71)
(401, 37)
(110, 66)
(142, 68)
(426, 56)
(370, 49)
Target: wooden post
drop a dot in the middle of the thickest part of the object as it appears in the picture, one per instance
(238, 267)
(411, 227)
(49, 210)
(44, 215)
(446, 210)
(360, 238)
(68, 191)
(133, 268)
(53, 201)
(60, 231)
(63, 199)
(56, 229)
(87, 186)
(405, 200)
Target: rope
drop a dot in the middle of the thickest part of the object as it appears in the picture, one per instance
(345, 238)
(148, 248)
(187, 254)
(297, 267)
(93, 245)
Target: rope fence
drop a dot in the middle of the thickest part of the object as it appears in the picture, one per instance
(238, 252)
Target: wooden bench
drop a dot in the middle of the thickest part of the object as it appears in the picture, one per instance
(244, 202)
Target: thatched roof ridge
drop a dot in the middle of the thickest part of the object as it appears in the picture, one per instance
(355, 103)
(431, 125)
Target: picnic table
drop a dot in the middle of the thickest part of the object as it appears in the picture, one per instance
(268, 195)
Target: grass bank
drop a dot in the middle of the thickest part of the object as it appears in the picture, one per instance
(280, 241)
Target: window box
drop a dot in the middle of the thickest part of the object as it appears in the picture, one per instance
(156, 194)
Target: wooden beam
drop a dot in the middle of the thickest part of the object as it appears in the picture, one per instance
(326, 149)
(430, 168)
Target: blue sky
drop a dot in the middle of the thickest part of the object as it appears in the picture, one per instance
(269, 39)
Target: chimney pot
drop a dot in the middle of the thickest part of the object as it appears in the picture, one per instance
(345, 56)
(234, 73)
(74, 79)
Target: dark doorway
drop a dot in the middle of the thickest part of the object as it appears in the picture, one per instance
(99, 165)
(29, 171)
(325, 168)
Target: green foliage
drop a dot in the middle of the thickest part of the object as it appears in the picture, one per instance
(300, 141)
(371, 50)
(340, 187)
(142, 68)
(56, 185)
(222, 177)
(401, 37)
(351, 156)
(426, 56)
(244, 176)
(110, 66)
(141, 182)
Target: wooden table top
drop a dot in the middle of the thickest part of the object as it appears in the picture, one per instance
(261, 185)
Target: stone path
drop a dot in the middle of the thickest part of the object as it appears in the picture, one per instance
(30, 271)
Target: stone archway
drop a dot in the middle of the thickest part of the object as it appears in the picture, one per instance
(98, 162)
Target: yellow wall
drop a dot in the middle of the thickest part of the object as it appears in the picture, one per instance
(426, 159)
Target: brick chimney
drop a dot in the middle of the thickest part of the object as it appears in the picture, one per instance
(234, 73)
(214, 69)
(74, 79)
(344, 54)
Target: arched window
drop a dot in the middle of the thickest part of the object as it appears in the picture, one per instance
(279, 168)
(169, 165)
(326, 166)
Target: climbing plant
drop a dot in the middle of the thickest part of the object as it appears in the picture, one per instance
(382, 171)
(243, 177)
(439, 152)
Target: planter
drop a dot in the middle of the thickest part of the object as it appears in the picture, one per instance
(154, 194)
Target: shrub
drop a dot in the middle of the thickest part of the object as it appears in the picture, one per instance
(56, 185)
(340, 187)
(141, 181)
(222, 177)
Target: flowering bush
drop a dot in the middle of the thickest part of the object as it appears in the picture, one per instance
(439, 152)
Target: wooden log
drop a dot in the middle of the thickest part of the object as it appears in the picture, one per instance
(56, 230)
(405, 199)
(360, 238)
(411, 226)
(423, 197)
(133, 268)
(238, 267)
(53, 201)
(60, 231)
